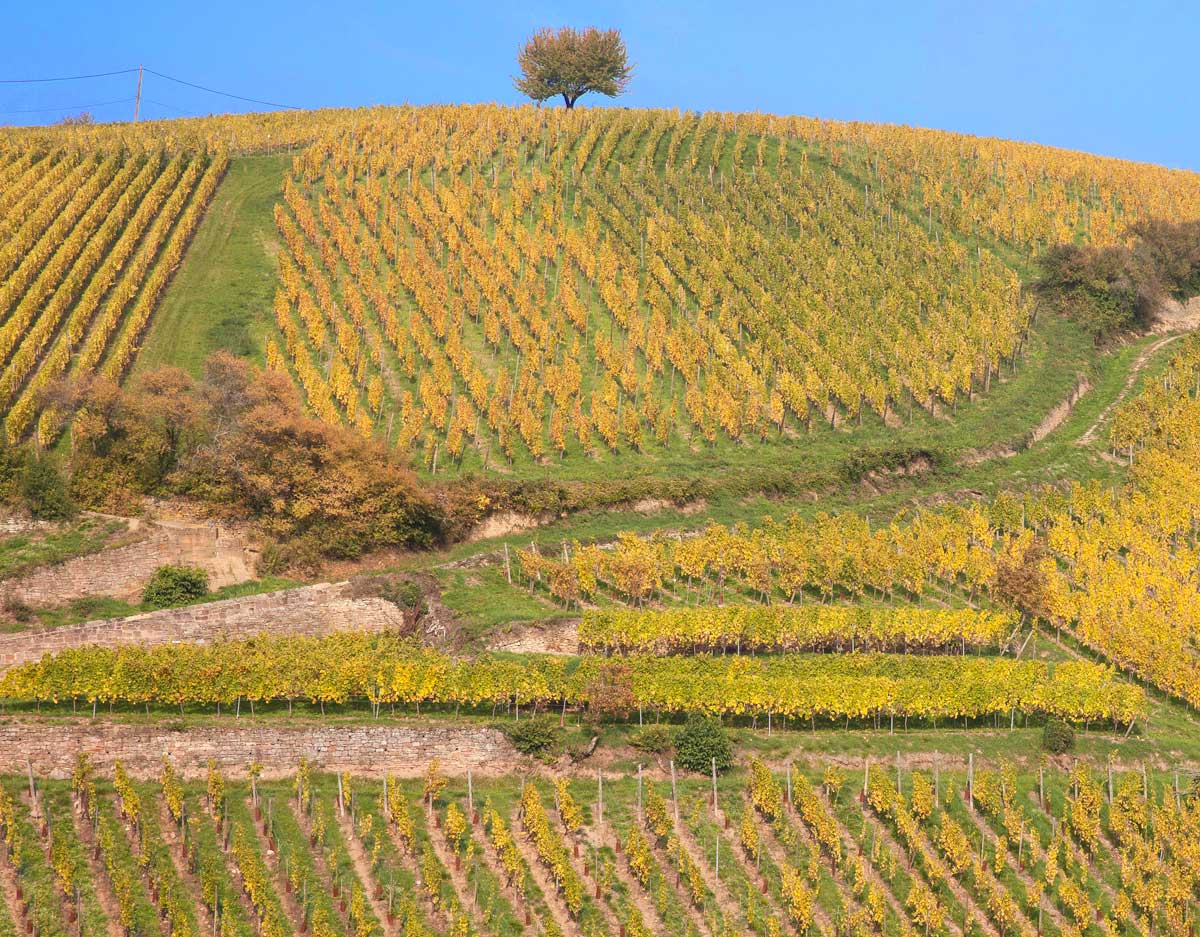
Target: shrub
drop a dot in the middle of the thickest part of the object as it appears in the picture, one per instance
(44, 491)
(531, 736)
(17, 608)
(1104, 289)
(1058, 737)
(701, 741)
(405, 595)
(175, 585)
(654, 739)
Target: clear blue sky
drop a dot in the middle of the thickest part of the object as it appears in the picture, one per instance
(1107, 77)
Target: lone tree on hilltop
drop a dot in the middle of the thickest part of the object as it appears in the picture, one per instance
(572, 62)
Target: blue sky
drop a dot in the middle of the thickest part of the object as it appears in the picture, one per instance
(1107, 77)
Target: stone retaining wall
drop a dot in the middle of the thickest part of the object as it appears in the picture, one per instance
(308, 610)
(406, 750)
(123, 571)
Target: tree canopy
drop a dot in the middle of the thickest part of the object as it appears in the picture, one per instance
(571, 62)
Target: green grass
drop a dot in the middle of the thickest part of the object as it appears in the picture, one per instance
(23, 552)
(483, 601)
(481, 597)
(220, 299)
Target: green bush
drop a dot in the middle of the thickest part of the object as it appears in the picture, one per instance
(18, 609)
(175, 585)
(405, 595)
(654, 739)
(44, 491)
(1058, 737)
(531, 736)
(701, 741)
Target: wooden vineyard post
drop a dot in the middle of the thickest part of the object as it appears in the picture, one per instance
(674, 794)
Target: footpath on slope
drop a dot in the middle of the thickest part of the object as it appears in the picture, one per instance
(220, 297)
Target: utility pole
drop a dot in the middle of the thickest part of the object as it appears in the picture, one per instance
(137, 101)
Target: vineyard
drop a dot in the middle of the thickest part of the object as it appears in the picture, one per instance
(732, 423)
(386, 671)
(940, 848)
(91, 238)
(1116, 568)
(499, 286)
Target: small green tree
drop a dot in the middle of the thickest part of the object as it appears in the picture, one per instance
(1058, 737)
(699, 742)
(44, 491)
(571, 62)
(175, 585)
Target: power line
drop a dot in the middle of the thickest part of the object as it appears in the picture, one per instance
(170, 107)
(39, 81)
(67, 107)
(238, 97)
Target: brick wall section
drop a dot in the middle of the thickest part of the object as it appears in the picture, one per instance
(308, 610)
(404, 750)
(123, 571)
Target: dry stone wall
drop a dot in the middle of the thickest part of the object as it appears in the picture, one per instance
(308, 610)
(123, 571)
(51, 747)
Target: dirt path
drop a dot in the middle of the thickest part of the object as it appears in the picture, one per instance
(554, 900)
(637, 894)
(892, 845)
(104, 891)
(521, 905)
(1080, 857)
(836, 870)
(433, 913)
(453, 866)
(767, 897)
(362, 868)
(1049, 423)
(850, 848)
(8, 892)
(1135, 369)
(287, 900)
(602, 903)
(984, 830)
(775, 849)
(174, 844)
(673, 881)
(730, 906)
(39, 821)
